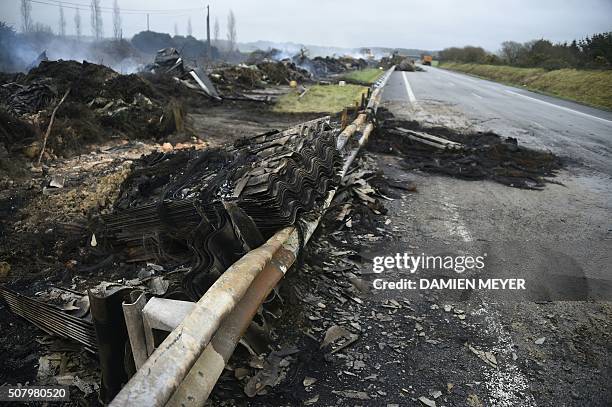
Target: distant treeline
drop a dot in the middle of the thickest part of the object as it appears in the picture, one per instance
(593, 52)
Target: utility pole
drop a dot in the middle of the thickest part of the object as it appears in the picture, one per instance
(148, 22)
(209, 49)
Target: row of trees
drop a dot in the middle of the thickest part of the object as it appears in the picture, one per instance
(97, 23)
(97, 26)
(594, 52)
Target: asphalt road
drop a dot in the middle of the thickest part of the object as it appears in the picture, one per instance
(573, 218)
(559, 238)
(566, 128)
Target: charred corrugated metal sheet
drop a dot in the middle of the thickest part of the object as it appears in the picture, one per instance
(175, 206)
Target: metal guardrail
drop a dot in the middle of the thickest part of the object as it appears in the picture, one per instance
(378, 86)
(185, 367)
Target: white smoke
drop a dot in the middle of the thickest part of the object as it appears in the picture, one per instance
(119, 56)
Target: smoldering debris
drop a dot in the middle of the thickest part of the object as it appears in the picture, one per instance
(102, 104)
(318, 67)
(240, 80)
(260, 55)
(408, 65)
(393, 59)
(232, 81)
(323, 67)
(484, 155)
(169, 61)
(30, 98)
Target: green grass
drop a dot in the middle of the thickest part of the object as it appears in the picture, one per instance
(321, 99)
(591, 87)
(364, 76)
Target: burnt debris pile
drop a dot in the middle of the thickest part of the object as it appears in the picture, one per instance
(101, 104)
(323, 67)
(169, 61)
(393, 59)
(236, 80)
(408, 65)
(470, 156)
(271, 67)
(205, 209)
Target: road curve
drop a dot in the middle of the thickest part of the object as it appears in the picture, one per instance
(566, 128)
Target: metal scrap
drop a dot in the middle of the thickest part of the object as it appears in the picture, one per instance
(169, 61)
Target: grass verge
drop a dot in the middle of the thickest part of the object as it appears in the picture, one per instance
(590, 87)
(364, 76)
(320, 98)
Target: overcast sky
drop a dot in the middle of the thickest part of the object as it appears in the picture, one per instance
(431, 24)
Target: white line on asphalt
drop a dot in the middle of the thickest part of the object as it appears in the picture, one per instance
(454, 223)
(539, 125)
(478, 96)
(506, 384)
(464, 77)
(408, 88)
(560, 107)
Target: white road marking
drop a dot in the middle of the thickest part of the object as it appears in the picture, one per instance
(463, 77)
(560, 107)
(454, 223)
(408, 88)
(477, 95)
(507, 385)
(538, 125)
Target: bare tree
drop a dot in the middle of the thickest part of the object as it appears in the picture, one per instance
(62, 22)
(216, 31)
(97, 30)
(189, 30)
(26, 16)
(510, 51)
(116, 20)
(41, 28)
(77, 23)
(231, 31)
(175, 29)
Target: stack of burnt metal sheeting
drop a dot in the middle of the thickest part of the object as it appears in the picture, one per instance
(208, 208)
(287, 181)
(52, 319)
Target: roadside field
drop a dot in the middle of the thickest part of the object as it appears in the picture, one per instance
(591, 87)
(365, 75)
(321, 98)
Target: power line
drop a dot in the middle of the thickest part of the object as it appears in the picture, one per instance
(85, 7)
(125, 9)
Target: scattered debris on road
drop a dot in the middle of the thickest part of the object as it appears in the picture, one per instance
(481, 156)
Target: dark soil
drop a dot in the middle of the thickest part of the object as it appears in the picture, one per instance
(101, 105)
